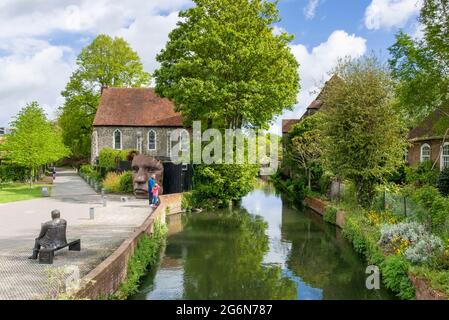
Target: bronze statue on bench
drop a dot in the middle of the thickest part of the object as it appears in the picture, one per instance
(52, 238)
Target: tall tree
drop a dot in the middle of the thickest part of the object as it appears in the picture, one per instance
(105, 62)
(421, 66)
(224, 65)
(362, 134)
(34, 141)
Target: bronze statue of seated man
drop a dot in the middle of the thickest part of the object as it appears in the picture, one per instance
(52, 235)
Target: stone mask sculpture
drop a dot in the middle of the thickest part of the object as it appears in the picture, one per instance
(143, 167)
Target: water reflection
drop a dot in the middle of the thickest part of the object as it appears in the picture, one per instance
(265, 249)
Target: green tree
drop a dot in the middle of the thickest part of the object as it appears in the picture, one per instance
(34, 141)
(105, 62)
(363, 135)
(304, 145)
(421, 66)
(224, 65)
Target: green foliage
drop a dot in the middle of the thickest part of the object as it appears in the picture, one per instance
(218, 185)
(187, 202)
(443, 182)
(105, 62)
(145, 255)
(434, 211)
(422, 174)
(228, 72)
(330, 214)
(395, 277)
(110, 158)
(11, 172)
(34, 142)
(362, 135)
(421, 65)
(126, 182)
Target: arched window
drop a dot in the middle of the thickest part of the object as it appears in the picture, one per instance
(425, 152)
(151, 140)
(117, 139)
(444, 163)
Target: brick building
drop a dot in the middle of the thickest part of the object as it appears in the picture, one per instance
(134, 118)
(426, 140)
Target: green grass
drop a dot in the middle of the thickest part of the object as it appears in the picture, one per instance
(18, 192)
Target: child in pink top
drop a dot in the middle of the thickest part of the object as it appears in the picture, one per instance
(155, 194)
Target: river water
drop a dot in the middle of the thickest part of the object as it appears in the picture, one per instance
(263, 249)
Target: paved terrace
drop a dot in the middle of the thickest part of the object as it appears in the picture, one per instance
(21, 278)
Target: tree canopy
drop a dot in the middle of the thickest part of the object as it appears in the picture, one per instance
(34, 141)
(363, 136)
(105, 62)
(224, 65)
(421, 66)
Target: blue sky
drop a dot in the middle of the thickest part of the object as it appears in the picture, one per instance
(39, 40)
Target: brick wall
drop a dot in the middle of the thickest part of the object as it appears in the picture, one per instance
(106, 278)
(414, 152)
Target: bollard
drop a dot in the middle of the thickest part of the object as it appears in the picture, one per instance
(102, 192)
(45, 192)
(105, 202)
(92, 213)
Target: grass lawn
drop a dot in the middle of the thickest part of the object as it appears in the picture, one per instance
(18, 192)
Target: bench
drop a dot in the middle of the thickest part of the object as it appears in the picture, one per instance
(46, 255)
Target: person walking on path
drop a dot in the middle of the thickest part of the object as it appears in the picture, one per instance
(151, 183)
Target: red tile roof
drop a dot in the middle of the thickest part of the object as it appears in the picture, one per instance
(432, 126)
(287, 124)
(135, 107)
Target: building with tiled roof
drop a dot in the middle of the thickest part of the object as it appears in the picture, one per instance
(428, 141)
(134, 118)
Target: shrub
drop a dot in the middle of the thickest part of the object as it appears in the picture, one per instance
(110, 158)
(443, 182)
(218, 185)
(10, 172)
(330, 214)
(423, 174)
(186, 202)
(112, 182)
(126, 182)
(410, 239)
(395, 278)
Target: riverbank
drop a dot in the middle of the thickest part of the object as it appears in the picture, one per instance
(113, 273)
(396, 275)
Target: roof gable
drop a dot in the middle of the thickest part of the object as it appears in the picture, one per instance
(138, 107)
(432, 126)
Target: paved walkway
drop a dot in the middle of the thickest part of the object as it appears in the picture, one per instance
(21, 278)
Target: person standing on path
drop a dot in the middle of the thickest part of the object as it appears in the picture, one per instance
(151, 183)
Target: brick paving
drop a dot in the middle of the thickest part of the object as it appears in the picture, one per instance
(21, 278)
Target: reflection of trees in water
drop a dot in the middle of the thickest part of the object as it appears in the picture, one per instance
(224, 257)
(323, 260)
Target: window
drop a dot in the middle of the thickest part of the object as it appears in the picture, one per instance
(151, 140)
(117, 139)
(445, 156)
(425, 152)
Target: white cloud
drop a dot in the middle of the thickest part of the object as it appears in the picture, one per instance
(35, 69)
(310, 9)
(390, 13)
(315, 66)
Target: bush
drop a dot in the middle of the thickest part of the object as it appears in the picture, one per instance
(395, 277)
(330, 214)
(110, 158)
(423, 174)
(112, 182)
(10, 172)
(217, 185)
(435, 209)
(126, 182)
(443, 182)
(411, 240)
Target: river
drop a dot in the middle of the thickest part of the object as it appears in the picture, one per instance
(263, 249)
